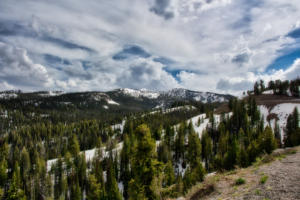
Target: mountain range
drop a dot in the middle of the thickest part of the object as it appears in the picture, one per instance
(130, 98)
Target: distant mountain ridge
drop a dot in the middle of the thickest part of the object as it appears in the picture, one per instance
(127, 98)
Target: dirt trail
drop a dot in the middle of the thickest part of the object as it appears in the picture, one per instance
(283, 180)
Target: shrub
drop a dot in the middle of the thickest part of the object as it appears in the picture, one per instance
(240, 181)
(264, 179)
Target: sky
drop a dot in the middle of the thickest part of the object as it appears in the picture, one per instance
(221, 46)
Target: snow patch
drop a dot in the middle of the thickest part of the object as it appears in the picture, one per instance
(282, 111)
(105, 107)
(51, 93)
(268, 92)
(141, 93)
(119, 126)
(110, 101)
(8, 95)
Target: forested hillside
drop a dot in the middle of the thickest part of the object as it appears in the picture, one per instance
(82, 150)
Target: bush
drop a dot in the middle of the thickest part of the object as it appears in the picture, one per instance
(240, 181)
(264, 179)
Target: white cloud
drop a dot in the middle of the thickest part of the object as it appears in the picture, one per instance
(210, 41)
(235, 85)
(16, 68)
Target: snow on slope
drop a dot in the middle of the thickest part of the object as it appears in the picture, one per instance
(140, 93)
(5, 95)
(110, 101)
(51, 93)
(178, 93)
(90, 154)
(264, 112)
(99, 96)
(173, 109)
(195, 95)
(268, 92)
(199, 129)
(119, 126)
(282, 111)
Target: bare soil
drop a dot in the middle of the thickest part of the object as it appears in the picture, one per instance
(283, 180)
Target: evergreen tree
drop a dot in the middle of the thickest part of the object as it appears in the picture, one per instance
(262, 86)
(125, 174)
(94, 191)
(169, 174)
(74, 147)
(15, 192)
(277, 134)
(145, 166)
(231, 156)
(163, 151)
(292, 129)
(3, 173)
(112, 189)
(136, 191)
(194, 149)
(75, 193)
(207, 149)
(25, 164)
(256, 88)
(267, 141)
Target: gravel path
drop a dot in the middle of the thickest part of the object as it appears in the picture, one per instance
(283, 180)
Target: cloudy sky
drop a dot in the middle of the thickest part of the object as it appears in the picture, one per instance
(207, 45)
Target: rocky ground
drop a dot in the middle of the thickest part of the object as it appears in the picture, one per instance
(281, 172)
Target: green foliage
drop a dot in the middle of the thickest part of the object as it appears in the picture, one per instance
(94, 188)
(263, 179)
(292, 129)
(267, 141)
(169, 173)
(1, 193)
(240, 181)
(146, 169)
(145, 166)
(231, 158)
(3, 173)
(136, 191)
(112, 189)
(207, 149)
(74, 147)
(194, 149)
(15, 192)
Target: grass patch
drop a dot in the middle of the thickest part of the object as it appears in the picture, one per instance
(204, 191)
(292, 151)
(257, 191)
(240, 181)
(263, 179)
(230, 172)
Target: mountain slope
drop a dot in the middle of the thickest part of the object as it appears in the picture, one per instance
(128, 99)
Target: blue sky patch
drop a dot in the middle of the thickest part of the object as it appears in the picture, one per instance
(51, 59)
(163, 60)
(131, 51)
(295, 33)
(284, 61)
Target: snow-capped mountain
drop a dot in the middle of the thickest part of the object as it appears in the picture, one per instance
(140, 93)
(124, 100)
(178, 94)
(204, 97)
